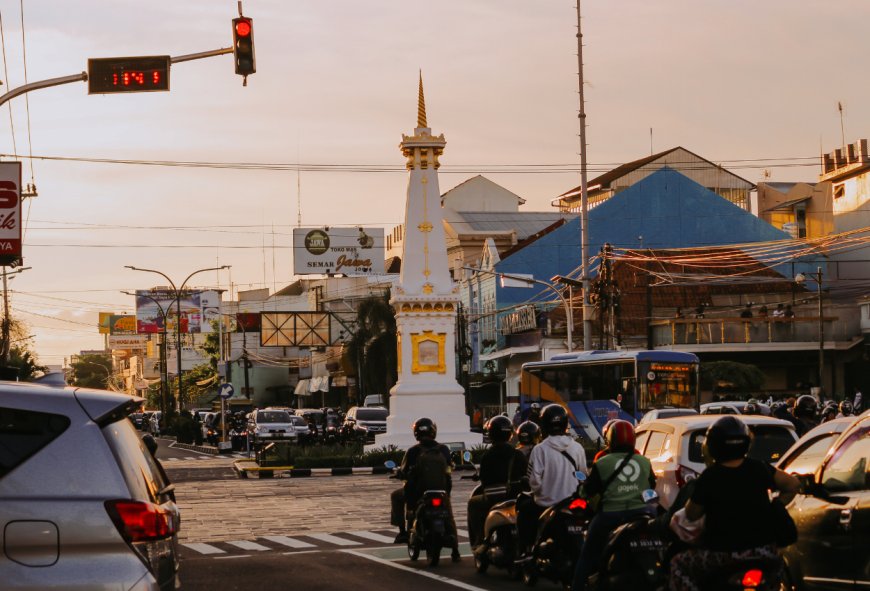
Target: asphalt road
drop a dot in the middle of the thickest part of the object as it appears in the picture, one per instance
(306, 533)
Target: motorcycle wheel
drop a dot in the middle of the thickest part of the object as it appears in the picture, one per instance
(481, 562)
(433, 555)
(413, 551)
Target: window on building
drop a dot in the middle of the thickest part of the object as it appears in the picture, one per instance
(839, 190)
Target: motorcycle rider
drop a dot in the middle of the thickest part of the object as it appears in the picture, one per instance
(528, 436)
(417, 482)
(534, 413)
(829, 412)
(806, 410)
(845, 409)
(551, 472)
(618, 501)
(733, 495)
(500, 466)
(751, 407)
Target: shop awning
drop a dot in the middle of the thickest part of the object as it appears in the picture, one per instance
(510, 351)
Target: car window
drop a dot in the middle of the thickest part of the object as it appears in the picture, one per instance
(806, 459)
(641, 440)
(667, 451)
(273, 416)
(654, 447)
(372, 414)
(299, 421)
(769, 442)
(848, 470)
(25, 432)
(138, 467)
(696, 446)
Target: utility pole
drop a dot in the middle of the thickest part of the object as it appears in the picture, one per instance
(584, 197)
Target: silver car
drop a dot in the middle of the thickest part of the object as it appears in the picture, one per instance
(83, 504)
(271, 424)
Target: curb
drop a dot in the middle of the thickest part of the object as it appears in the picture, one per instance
(308, 472)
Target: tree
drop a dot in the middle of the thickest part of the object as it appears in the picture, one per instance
(26, 363)
(92, 371)
(731, 376)
(372, 348)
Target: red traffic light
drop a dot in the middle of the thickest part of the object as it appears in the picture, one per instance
(243, 27)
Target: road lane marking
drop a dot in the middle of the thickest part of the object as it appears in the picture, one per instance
(422, 573)
(246, 545)
(331, 539)
(204, 548)
(462, 533)
(289, 542)
(369, 535)
(233, 556)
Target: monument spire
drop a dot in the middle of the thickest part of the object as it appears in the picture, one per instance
(421, 105)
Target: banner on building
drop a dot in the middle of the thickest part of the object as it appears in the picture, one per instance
(345, 251)
(523, 318)
(10, 213)
(129, 342)
(154, 308)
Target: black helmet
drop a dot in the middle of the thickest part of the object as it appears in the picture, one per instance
(829, 412)
(554, 419)
(535, 408)
(728, 439)
(806, 407)
(528, 433)
(751, 407)
(499, 429)
(846, 408)
(424, 428)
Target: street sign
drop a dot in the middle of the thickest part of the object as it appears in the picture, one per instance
(128, 74)
(226, 391)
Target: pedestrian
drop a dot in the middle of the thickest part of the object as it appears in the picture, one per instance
(747, 311)
(789, 313)
(518, 417)
(477, 419)
(856, 401)
(779, 312)
(762, 311)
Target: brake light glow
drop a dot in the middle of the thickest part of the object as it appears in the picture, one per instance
(752, 578)
(435, 501)
(138, 521)
(577, 504)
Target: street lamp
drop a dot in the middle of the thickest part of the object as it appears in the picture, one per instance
(800, 279)
(569, 317)
(164, 375)
(177, 291)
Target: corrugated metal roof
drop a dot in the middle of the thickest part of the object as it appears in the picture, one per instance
(524, 223)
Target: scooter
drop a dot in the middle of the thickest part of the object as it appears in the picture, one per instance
(561, 529)
(748, 575)
(500, 543)
(428, 525)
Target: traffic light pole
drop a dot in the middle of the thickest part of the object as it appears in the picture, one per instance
(83, 77)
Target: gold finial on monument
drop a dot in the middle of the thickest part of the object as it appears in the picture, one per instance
(421, 105)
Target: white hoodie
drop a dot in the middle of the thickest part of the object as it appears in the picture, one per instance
(551, 475)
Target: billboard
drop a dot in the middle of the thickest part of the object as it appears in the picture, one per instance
(345, 251)
(122, 324)
(135, 341)
(105, 322)
(10, 213)
(199, 309)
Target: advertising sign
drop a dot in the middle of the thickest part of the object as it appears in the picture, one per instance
(105, 322)
(345, 251)
(122, 324)
(134, 341)
(198, 310)
(10, 213)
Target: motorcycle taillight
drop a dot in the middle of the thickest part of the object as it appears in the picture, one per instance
(436, 501)
(752, 578)
(577, 505)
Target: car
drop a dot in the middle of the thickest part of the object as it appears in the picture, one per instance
(271, 424)
(730, 407)
(375, 400)
(832, 513)
(674, 446)
(666, 413)
(85, 504)
(365, 423)
(138, 419)
(809, 451)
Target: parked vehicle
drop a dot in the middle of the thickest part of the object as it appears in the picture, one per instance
(103, 516)
(673, 446)
(375, 400)
(269, 424)
(364, 423)
(832, 512)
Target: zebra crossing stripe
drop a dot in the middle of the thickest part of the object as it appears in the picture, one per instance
(203, 548)
(462, 533)
(246, 545)
(289, 542)
(369, 535)
(330, 539)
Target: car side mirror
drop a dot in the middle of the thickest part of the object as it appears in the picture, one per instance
(466, 455)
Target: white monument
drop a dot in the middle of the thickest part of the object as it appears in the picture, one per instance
(425, 302)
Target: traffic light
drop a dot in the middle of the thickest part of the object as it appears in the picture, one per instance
(243, 46)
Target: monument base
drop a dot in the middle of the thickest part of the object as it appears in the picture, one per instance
(447, 410)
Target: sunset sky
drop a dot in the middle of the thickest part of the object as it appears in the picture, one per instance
(752, 85)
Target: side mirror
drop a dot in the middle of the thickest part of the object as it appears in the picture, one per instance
(466, 455)
(390, 464)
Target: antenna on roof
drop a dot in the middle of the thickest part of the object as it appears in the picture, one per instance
(842, 125)
(650, 142)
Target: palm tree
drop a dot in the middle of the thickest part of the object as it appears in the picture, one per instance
(372, 348)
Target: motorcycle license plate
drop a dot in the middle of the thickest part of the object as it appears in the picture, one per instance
(575, 528)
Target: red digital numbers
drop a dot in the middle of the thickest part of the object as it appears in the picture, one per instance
(107, 75)
(136, 78)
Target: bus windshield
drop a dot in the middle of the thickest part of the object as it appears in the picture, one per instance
(667, 384)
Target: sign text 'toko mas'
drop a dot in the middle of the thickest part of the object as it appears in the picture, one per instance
(345, 251)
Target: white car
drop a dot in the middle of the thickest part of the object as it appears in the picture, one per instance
(673, 446)
(271, 424)
(730, 407)
(666, 413)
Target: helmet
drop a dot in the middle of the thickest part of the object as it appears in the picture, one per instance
(554, 420)
(424, 428)
(535, 408)
(846, 408)
(751, 407)
(620, 436)
(499, 429)
(727, 439)
(806, 407)
(829, 412)
(528, 433)
(606, 428)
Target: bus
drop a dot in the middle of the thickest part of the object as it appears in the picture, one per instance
(597, 386)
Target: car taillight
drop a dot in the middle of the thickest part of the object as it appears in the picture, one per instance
(435, 501)
(139, 522)
(577, 504)
(752, 578)
(685, 475)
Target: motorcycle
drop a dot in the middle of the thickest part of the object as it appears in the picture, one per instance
(561, 529)
(757, 574)
(428, 525)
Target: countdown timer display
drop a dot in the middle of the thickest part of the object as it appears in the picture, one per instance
(128, 74)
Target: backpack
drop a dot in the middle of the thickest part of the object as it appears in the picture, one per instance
(431, 471)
